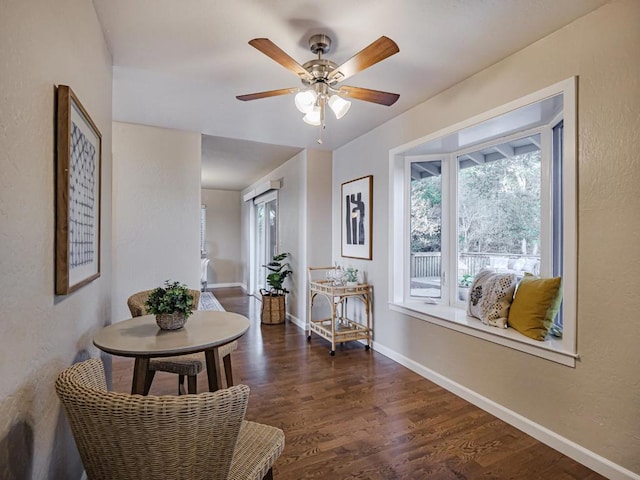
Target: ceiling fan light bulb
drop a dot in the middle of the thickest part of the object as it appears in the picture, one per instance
(313, 117)
(305, 100)
(339, 105)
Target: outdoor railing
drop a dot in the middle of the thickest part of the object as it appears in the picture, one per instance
(425, 264)
(428, 264)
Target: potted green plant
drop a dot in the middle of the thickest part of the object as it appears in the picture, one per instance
(351, 276)
(463, 286)
(171, 304)
(273, 298)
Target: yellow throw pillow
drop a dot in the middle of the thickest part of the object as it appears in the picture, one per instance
(535, 305)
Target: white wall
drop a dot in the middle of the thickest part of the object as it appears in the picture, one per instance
(318, 211)
(223, 236)
(304, 220)
(156, 210)
(44, 44)
(317, 222)
(290, 197)
(595, 404)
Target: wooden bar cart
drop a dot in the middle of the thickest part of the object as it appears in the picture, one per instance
(338, 328)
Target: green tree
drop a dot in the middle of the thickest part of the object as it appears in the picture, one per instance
(499, 205)
(426, 214)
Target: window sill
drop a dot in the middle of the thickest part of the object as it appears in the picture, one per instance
(456, 319)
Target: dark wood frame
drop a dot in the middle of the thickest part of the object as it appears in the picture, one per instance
(68, 106)
(350, 251)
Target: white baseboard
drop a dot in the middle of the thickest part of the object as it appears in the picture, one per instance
(565, 446)
(295, 320)
(225, 285)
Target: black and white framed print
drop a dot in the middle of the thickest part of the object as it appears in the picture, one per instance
(356, 217)
(78, 176)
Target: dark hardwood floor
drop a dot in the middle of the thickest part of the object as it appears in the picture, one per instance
(359, 415)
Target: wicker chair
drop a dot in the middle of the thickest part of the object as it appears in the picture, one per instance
(191, 437)
(188, 366)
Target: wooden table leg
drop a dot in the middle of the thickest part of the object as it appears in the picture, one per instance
(214, 370)
(228, 373)
(140, 372)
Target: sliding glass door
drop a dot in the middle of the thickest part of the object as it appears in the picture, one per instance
(265, 241)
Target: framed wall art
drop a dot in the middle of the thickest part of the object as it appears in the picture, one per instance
(356, 217)
(78, 177)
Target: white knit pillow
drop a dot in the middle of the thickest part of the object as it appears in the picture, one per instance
(490, 297)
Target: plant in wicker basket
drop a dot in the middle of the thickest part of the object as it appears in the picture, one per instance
(171, 304)
(273, 299)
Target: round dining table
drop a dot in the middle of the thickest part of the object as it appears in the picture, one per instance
(141, 338)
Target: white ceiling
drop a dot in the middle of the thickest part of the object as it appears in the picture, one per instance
(180, 64)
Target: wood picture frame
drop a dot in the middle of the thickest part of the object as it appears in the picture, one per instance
(357, 218)
(78, 192)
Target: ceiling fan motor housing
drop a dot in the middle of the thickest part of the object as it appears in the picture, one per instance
(319, 69)
(320, 43)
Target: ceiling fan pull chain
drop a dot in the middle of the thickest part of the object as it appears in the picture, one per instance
(322, 125)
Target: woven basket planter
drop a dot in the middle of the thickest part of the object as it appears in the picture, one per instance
(274, 308)
(171, 321)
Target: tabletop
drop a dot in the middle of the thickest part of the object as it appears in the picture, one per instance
(141, 336)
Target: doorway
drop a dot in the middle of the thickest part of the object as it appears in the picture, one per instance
(265, 236)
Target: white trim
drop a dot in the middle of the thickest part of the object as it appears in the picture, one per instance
(570, 199)
(546, 203)
(297, 322)
(251, 240)
(249, 195)
(568, 85)
(260, 189)
(269, 196)
(225, 285)
(399, 294)
(567, 447)
(456, 319)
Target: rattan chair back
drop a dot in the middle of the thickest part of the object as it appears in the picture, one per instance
(122, 436)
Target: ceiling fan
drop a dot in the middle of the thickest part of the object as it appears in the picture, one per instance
(320, 77)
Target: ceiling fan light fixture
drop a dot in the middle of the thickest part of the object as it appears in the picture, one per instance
(320, 77)
(339, 105)
(305, 100)
(313, 117)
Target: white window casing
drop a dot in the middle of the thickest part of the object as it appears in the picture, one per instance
(449, 313)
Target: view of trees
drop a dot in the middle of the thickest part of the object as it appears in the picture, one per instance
(499, 208)
(426, 214)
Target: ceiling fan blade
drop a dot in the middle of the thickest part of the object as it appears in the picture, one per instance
(382, 48)
(274, 52)
(374, 96)
(270, 93)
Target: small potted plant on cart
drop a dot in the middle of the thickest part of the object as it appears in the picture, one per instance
(274, 309)
(351, 276)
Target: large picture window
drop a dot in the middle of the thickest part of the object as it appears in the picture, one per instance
(492, 193)
(497, 214)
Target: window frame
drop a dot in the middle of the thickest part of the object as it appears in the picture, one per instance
(563, 351)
